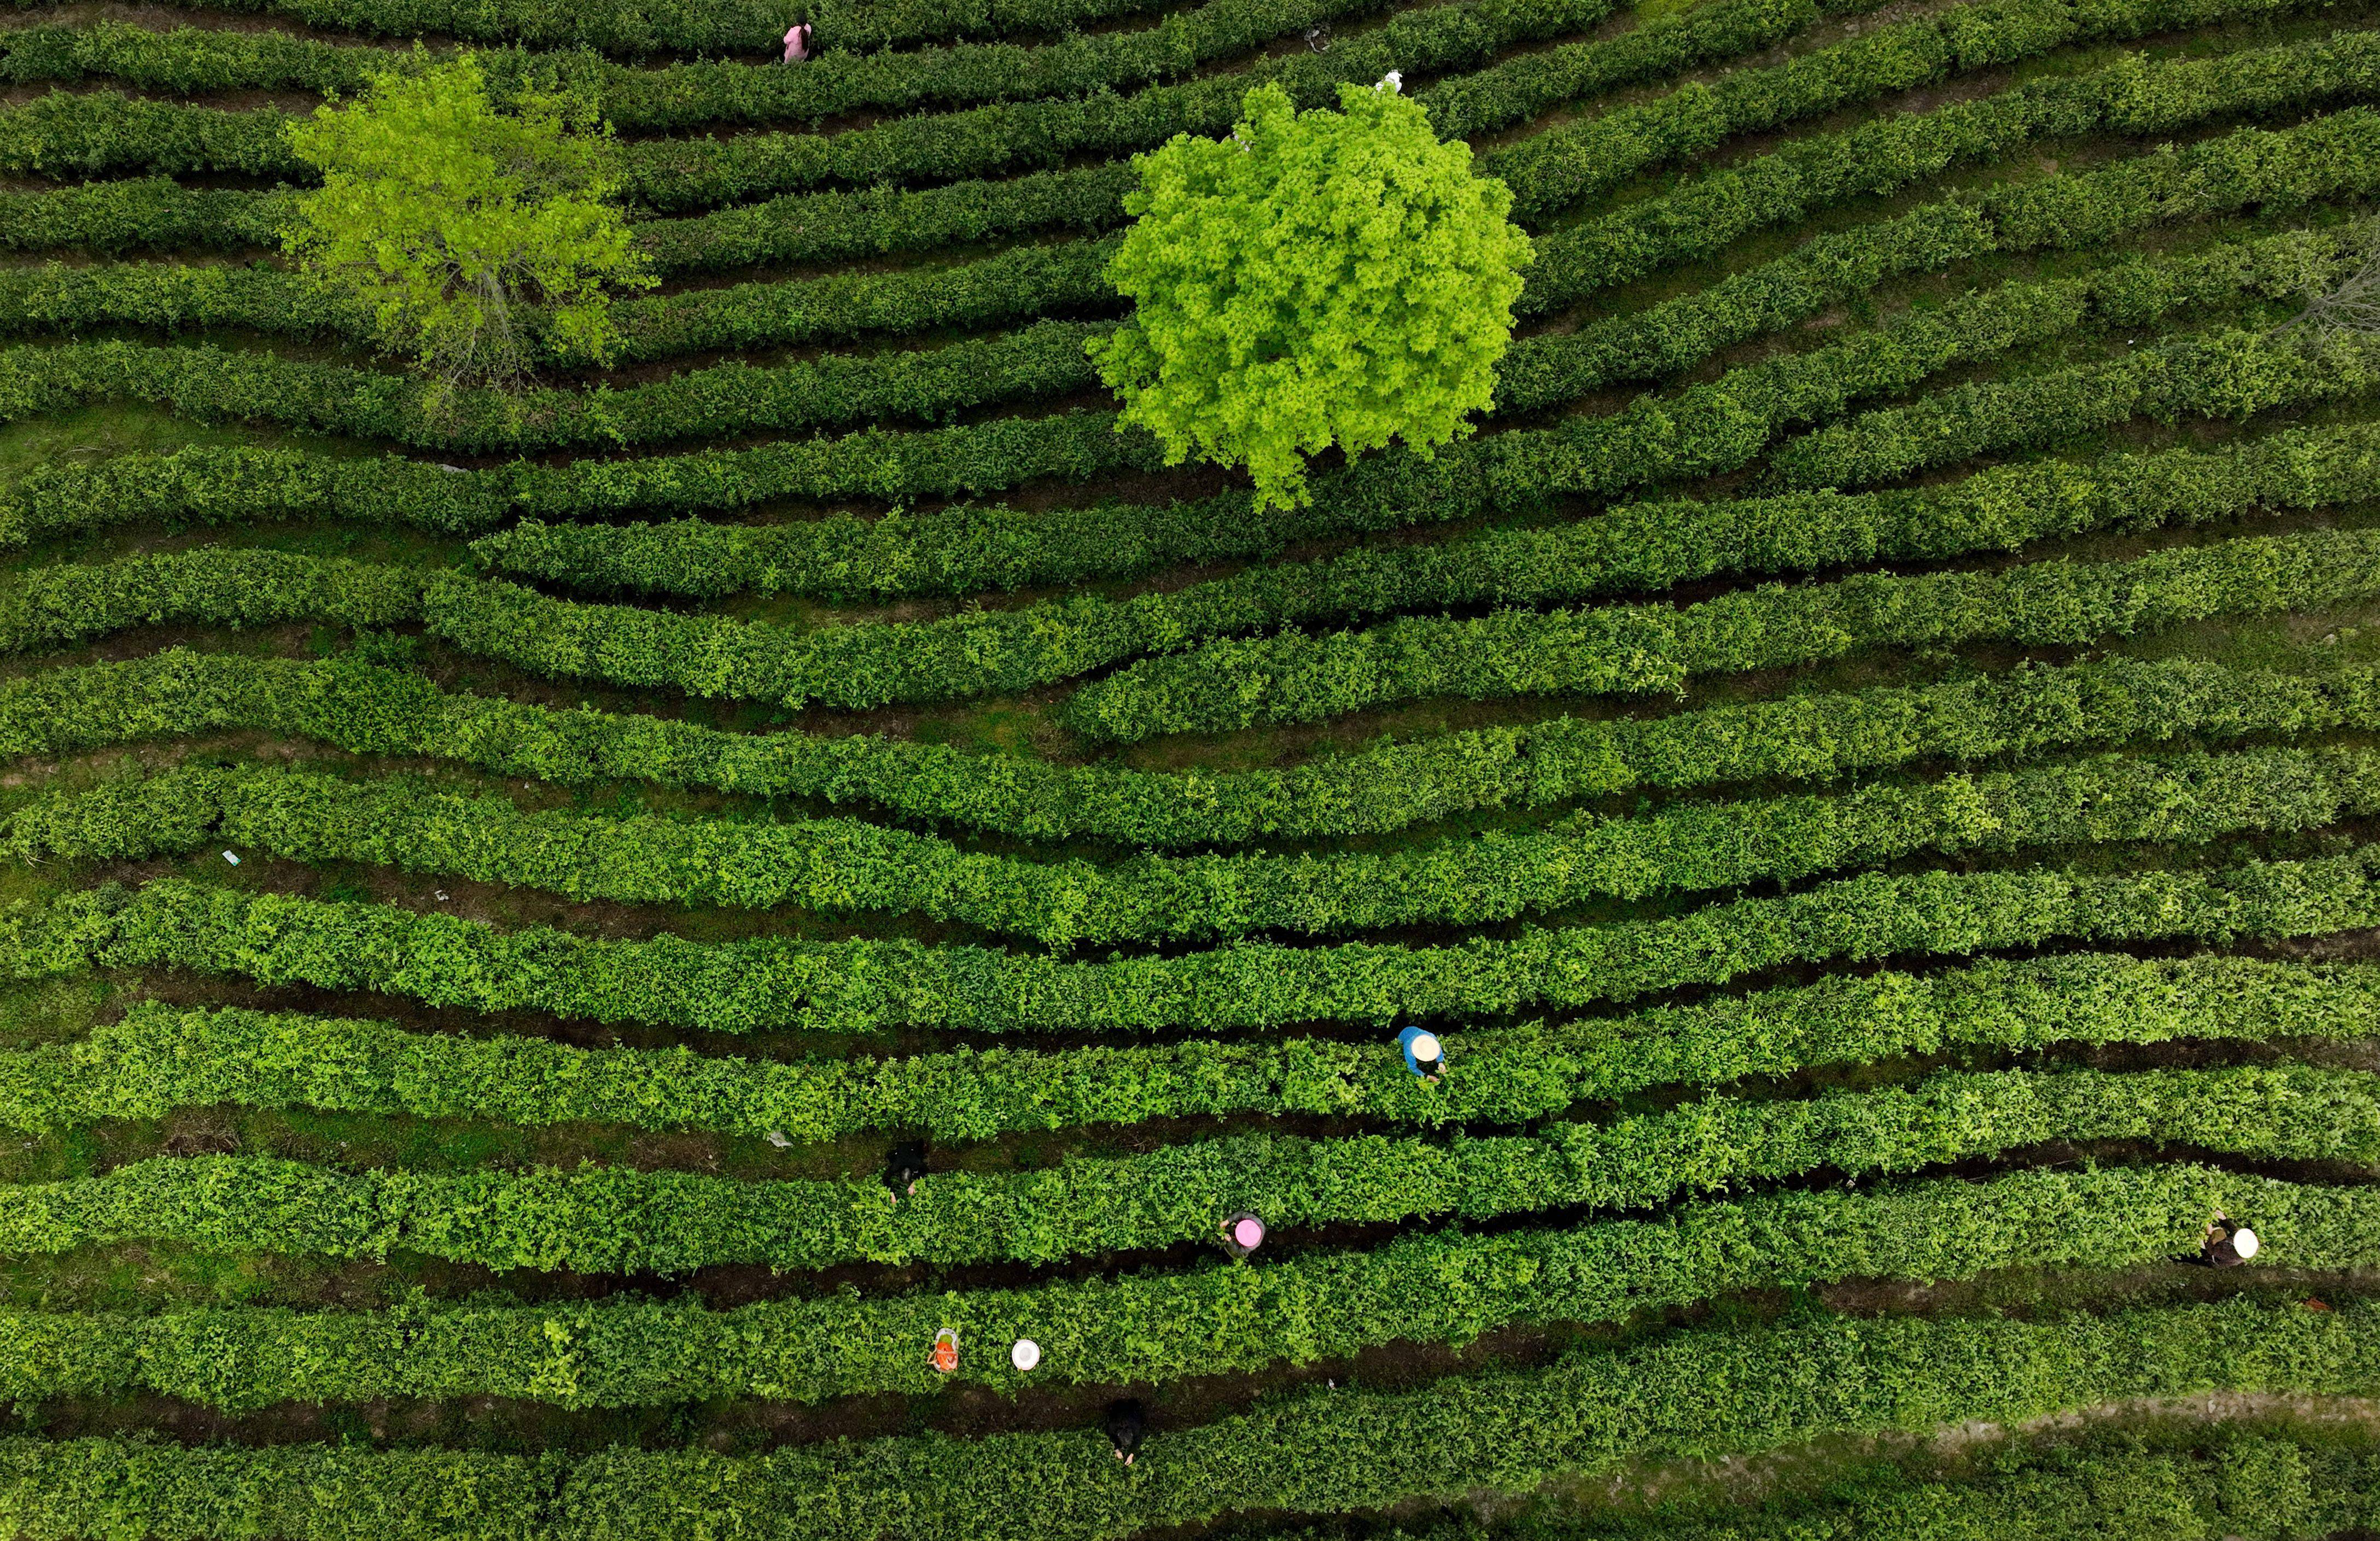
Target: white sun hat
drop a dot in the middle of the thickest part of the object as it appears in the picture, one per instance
(2244, 1242)
(1425, 1048)
(1025, 1355)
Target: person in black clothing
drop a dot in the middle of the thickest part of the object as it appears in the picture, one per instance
(2227, 1245)
(901, 1173)
(1125, 1420)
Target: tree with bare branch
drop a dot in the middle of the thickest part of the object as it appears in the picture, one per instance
(444, 212)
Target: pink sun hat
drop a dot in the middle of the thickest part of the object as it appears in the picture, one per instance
(1249, 1233)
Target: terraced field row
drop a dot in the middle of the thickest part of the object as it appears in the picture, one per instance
(560, 939)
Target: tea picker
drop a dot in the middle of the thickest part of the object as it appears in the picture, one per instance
(1243, 1233)
(1127, 1421)
(797, 43)
(907, 1165)
(1423, 1055)
(2227, 1245)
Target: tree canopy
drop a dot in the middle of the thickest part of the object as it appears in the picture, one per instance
(1319, 278)
(443, 211)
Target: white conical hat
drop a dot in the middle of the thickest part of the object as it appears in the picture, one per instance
(2244, 1242)
(1025, 1355)
(1425, 1047)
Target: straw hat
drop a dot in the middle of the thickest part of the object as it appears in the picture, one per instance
(1425, 1048)
(1025, 1355)
(2244, 1242)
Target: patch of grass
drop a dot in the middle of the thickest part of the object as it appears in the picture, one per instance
(99, 433)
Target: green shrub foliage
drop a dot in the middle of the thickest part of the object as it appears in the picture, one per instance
(1851, 1014)
(441, 209)
(847, 865)
(972, 547)
(610, 1219)
(158, 1058)
(2220, 1484)
(1290, 677)
(1157, 1327)
(370, 710)
(698, 94)
(1642, 650)
(873, 986)
(1696, 1391)
(1235, 353)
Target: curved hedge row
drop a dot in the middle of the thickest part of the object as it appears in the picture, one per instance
(2320, 159)
(1703, 1392)
(1708, 428)
(2314, 160)
(370, 710)
(640, 27)
(1021, 285)
(873, 986)
(1575, 160)
(724, 400)
(2163, 382)
(1639, 547)
(92, 133)
(192, 60)
(189, 61)
(608, 1219)
(2251, 1487)
(222, 585)
(1229, 682)
(1159, 1327)
(858, 24)
(971, 142)
(1292, 676)
(2133, 96)
(845, 866)
(206, 481)
(1649, 649)
(158, 1058)
(1046, 360)
(1222, 684)
(615, 26)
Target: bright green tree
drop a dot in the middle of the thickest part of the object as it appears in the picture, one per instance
(443, 213)
(1319, 278)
